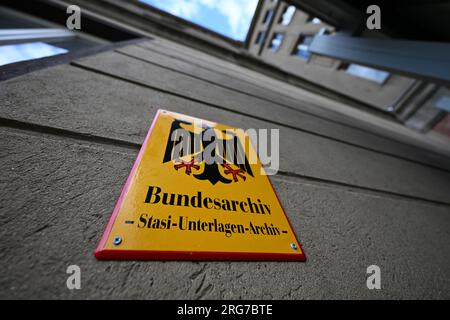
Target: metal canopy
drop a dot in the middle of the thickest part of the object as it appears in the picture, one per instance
(425, 60)
(419, 20)
(418, 31)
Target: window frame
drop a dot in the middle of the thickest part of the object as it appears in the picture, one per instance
(274, 34)
(281, 18)
(297, 43)
(345, 65)
(260, 37)
(268, 16)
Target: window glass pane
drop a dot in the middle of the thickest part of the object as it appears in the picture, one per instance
(367, 73)
(259, 37)
(302, 48)
(443, 103)
(268, 16)
(313, 20)
(27, 51)
(276, 42)
(287, 15)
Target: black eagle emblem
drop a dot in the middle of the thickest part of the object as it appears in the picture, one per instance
(233, 167)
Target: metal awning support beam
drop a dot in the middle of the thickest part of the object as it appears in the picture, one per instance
(424, 60)
(21, 35)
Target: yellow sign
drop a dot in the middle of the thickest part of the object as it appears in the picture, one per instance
(178, 204)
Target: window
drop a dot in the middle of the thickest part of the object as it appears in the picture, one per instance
(276, 41)
(367, 73)
(24, 37)
(313, 20)
(27, 44)
(38, 30)
(268, 16)
(287, 15)
(260, 37)
(27, 51)
(443, 103)
(301, 50)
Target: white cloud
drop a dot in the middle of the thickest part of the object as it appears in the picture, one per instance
(238, 13)
(180, 8)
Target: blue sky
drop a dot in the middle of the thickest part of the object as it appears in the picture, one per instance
(230, 18)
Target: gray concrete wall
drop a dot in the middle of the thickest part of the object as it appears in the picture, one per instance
(356, 195)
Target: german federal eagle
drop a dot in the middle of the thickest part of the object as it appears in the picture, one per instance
(190, 149)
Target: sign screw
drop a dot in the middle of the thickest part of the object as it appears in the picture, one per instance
(117, 240)
(294, 246)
